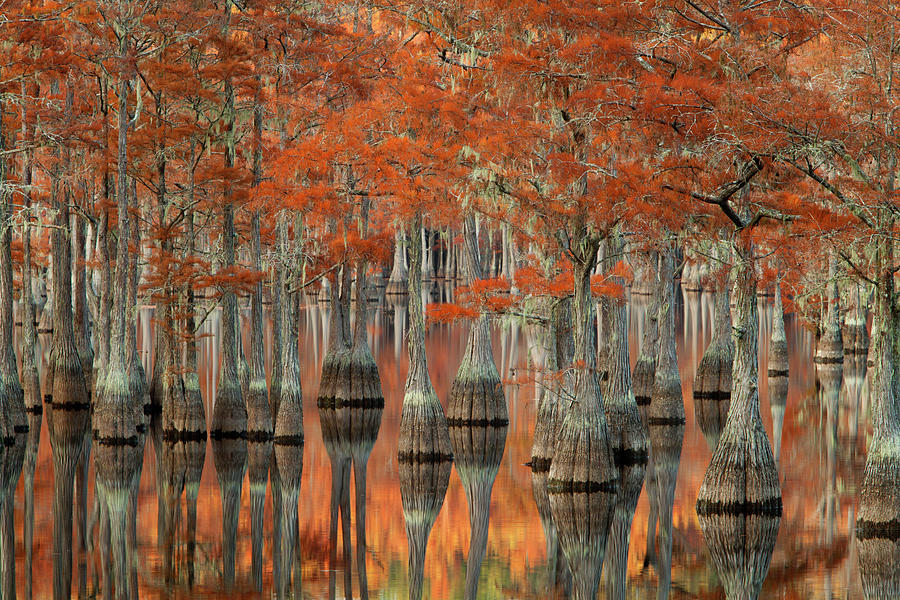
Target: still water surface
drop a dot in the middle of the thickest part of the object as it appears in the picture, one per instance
(822, 452)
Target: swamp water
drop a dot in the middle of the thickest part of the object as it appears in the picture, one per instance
(172, 552)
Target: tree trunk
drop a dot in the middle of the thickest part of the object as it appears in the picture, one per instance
(712, 384)
(117, 413)
(229, 418)
(831, 346)
(879, 495)
(628, 437)
(742, 477)
(398, 281)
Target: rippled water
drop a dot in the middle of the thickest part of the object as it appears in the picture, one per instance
(822, 453)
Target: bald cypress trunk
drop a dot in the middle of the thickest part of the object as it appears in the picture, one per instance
(583, 458)
(425, 454)
(31, 384)
(879, 496)
(118, 413)
(79, 300)
(644, 371)
(12, 397)
(229, 413)
(399, 279)
(712, 384)
(831, 346)
(259, 415)
(742, 477)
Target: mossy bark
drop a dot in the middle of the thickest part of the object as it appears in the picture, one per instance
(229, 419)
(12, 396)
(117, 411)
(425, 454)
(555, 387)
(644, 372)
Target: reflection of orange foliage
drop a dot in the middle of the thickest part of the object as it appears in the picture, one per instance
(515, 536)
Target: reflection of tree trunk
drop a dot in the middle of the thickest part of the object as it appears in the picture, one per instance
(289, 459)
(118, 468)
(741, 547)
(230, 458)
(66, 434)
(582, 519)
(631, 480)
(557, 569)
(11, 461)
(31, 451)
(260, 455)
(423, 485)
(195, 456)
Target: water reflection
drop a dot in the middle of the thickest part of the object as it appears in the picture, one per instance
(184, 552)
(12, 458)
